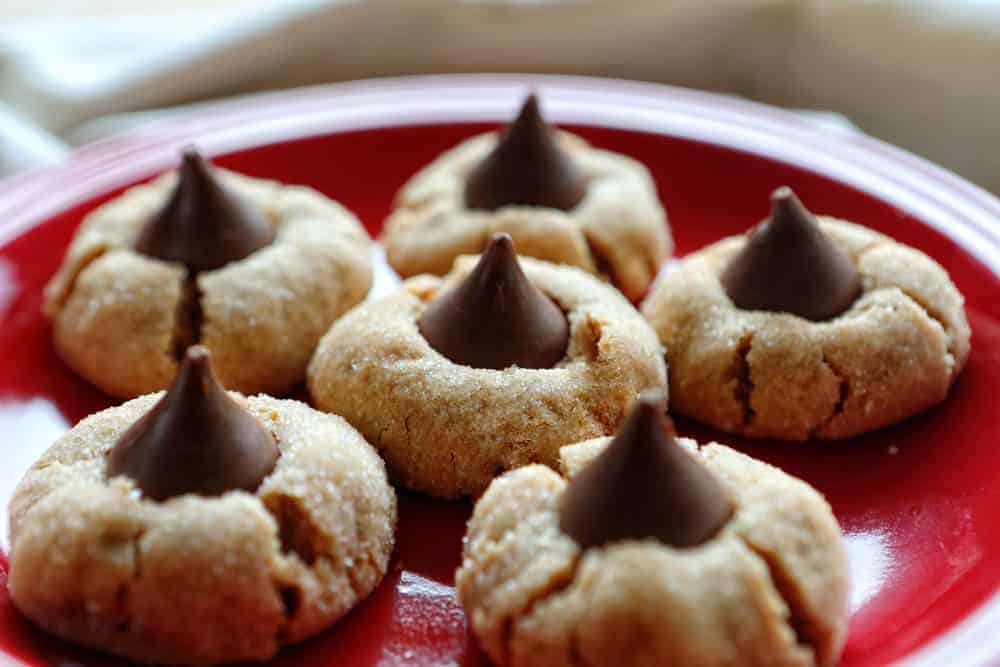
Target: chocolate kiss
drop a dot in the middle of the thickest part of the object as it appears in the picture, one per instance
(789, 265)
(526, 168)
(644, 485)
(495, 318)
(196, 439)
(203, 225)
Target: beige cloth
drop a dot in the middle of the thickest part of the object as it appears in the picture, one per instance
(920, 73)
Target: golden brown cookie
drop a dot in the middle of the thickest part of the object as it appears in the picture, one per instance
(196, 579)
(618, 228)
(768, 588)
(447, 428)
(894, 352)
(122, 318)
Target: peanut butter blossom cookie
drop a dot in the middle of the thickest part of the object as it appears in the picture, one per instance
(495, 366)
(199, 526)
(808, 328)
(254, 270)
(654, 552)
(559, 198)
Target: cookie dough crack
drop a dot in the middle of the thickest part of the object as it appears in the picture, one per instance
(137, 556)
(807, 635)
(558, 583)
(296, 534)
(575, 651)
(743, 389)
(874, 244)
(593, 331)
(935, 316)
(929, 310)
(406, 428)
(121, 604)
(70, 284)
(188, 320)
(602, 263)
(125, 588)
(290, 597)
(838, 407)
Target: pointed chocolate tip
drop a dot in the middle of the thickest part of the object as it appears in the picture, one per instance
(783, 193)
(193, 166)
(203, 224)
(787, 209)
(499, 257)
(644, 485)
(651, 410)
(788, 264)
(196, 439)
(190, 155)
(527, 168)
(530, 111)
(495, 318)
(198, 357)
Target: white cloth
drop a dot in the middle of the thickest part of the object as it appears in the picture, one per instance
(920, 73)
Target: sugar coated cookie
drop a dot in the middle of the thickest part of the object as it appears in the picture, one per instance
(808, 328)
(254, 270)
(199, 526)
(559, 198)
(456, 380)
(654, 552)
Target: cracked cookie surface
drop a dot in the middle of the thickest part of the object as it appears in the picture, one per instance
(894, 353)
(618, 229)
(769, 589)
(201, 580)
(122, 319)
(448, 429)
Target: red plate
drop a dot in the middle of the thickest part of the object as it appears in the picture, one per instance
(918, 501)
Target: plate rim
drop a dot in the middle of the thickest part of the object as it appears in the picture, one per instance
(962, 211)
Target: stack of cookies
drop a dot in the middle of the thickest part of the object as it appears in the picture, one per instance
(205, 521)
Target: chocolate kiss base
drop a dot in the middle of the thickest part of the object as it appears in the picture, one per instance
(644, 485)
(527, 168)
(196, 439)
(495, 318)
(789, 265)
(203, 225)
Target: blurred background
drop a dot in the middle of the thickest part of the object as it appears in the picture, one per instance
(923, 74)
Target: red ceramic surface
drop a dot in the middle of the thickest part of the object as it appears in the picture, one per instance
(918, 502)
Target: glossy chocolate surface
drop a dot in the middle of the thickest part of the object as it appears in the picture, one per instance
(527, 168)
(789, 265)
(196, 439)
(495, 317)
(644, 485)
(204, 225)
